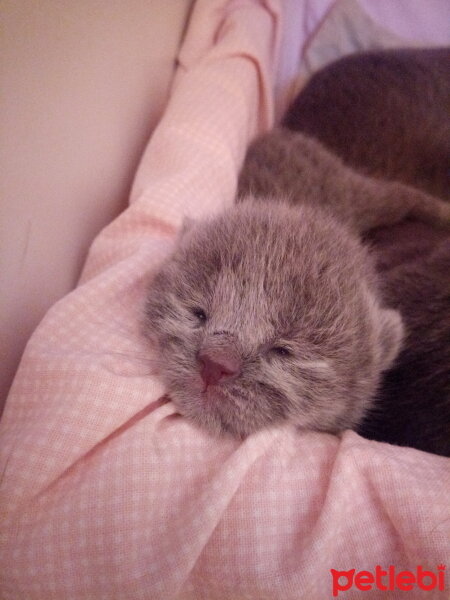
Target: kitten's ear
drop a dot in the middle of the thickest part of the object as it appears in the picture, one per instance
(186, 226)
(391, 336)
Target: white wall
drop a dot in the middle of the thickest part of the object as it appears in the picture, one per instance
(83, 84)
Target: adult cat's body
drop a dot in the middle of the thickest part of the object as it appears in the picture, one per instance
(388, 114)
(385, 113)
(272, 313)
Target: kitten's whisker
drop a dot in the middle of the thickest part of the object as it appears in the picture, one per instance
(316, 365)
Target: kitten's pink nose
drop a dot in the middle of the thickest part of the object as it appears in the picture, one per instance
(217, 365)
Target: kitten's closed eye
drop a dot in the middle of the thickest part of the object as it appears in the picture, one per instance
(281, 351)
(200, 315)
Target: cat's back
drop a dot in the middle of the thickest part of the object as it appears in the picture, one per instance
(400, 99)
(387, 114)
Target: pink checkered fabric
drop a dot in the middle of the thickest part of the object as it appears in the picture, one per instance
(106, 492)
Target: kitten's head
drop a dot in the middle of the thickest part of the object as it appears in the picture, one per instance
(267, 314)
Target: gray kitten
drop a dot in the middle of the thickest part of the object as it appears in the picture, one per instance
(269, 313)
(272, 311)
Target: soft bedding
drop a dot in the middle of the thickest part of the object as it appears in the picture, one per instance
(108, 494)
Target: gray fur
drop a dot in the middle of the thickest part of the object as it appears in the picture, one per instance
(283, 269)
(270, 276)
(387, 114)
(290, 164)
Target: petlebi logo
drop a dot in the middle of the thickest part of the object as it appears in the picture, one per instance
(387, 579)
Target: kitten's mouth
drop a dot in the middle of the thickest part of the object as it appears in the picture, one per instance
(210, 390)
(220, 408)
(210, 406)
(213, 392)
(198, 388)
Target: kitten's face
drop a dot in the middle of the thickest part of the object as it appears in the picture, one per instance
(267, 314)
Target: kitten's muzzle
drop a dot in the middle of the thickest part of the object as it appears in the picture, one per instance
(218, 364)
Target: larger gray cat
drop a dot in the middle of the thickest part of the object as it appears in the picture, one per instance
(388, 114)
(273, 311)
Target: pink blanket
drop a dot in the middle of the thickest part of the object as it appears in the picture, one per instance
(108, 494)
